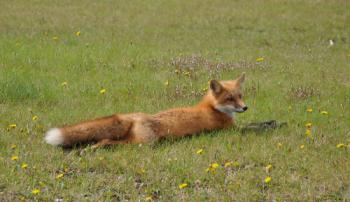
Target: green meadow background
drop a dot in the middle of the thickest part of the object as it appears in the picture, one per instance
(62, 62)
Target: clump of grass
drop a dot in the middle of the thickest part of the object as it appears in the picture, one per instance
(17, 90)
(20, 87)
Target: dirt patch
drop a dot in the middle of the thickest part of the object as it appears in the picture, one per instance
(185, 92)
(190, 65)
(303, 92)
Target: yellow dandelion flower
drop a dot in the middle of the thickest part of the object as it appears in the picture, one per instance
(260, 59)
(279, 145)
(59, 176)
(340, 145)
(13, 146)
(13, 125)
(205, 89)
(77, 33)
(24, 166)
(309, 110)
(324, 112)
(308, 132)
(35, 191)
(308, 125)
(199, 151)
(267, 180)
(214, 165)
(55, 38)
(64, 83)
(34, 118)
(183, 185)
(141, 171)
(228, 164)
(149, 198)
(166, 83)
(14, 158)
(103, 91)
(268, 168)
(302, 146)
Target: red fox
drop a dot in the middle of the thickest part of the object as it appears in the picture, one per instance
(215, 111)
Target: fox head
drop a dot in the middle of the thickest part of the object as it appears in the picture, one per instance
(228, 95)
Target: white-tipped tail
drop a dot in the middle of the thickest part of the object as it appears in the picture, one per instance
(54, 137)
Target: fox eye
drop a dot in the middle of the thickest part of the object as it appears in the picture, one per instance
(230, 98)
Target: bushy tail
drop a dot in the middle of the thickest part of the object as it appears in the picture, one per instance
(112, 127)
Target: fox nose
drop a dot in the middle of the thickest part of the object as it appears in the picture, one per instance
(245, 108)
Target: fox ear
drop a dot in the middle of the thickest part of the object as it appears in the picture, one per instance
(241, 78)
(215, 86)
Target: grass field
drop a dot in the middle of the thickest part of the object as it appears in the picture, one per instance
(148, 56)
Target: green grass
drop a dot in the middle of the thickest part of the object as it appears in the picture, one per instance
(131, 48)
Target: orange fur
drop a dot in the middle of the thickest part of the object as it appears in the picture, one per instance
(215, 111)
